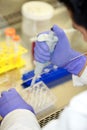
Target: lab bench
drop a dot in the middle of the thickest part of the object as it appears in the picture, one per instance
(63, 92)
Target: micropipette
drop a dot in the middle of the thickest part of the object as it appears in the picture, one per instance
(51, 41)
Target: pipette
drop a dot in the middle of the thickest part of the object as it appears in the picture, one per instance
(51, 41)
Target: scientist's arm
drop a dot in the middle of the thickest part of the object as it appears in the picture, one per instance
(63, 56)
(16, 113)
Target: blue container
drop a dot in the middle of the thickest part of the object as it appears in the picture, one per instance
(52, 78)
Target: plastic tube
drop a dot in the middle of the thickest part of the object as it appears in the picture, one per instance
(9, 33)
(16, 41)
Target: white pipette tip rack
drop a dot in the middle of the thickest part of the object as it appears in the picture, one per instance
(39, 97)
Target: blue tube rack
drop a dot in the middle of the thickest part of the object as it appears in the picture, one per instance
(52, 78)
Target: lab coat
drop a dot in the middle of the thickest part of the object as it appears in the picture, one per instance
(73, 117)
(80, 81)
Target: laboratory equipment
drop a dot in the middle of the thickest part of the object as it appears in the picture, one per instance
(36, 17)
(39, 97)
(62, 55)
(9, 33)
(9, 59)
(51, 41)
(51, 75)
(52, 78)
(12, 16)
(16, 40)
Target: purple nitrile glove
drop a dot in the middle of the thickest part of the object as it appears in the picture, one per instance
(10, 101)
(63, 55)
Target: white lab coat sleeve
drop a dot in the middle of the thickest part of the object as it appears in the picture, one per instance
(80, 81)
(20, 119)
(73, 117)
(26, 120)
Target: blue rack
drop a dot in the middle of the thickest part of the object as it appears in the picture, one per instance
(52, 78)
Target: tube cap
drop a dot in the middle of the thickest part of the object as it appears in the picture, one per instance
(16, 37)
(10, 31)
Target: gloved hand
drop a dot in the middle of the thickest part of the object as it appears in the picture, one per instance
(10, 101)
(63, 55)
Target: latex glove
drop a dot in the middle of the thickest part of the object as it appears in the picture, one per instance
(63, 55)
(11, 100)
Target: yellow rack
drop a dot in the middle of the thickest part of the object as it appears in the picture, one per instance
(9, 58)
